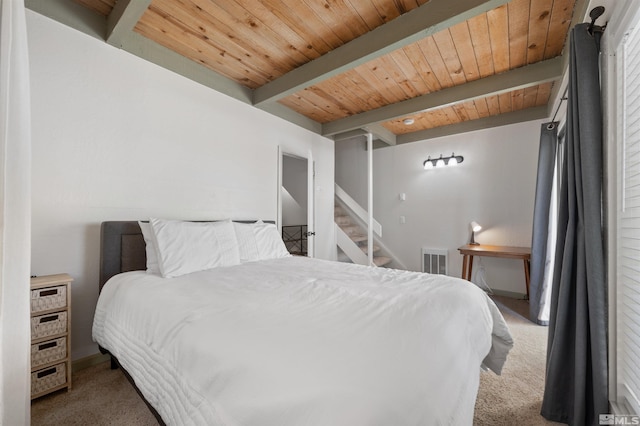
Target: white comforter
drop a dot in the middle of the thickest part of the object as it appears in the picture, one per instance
(298, 341)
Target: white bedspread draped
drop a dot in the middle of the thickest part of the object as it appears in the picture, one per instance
(298, 341)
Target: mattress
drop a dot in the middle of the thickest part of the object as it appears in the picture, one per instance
(299, 341)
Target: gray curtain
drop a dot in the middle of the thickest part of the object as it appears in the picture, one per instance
(544, 185)
(576, 381)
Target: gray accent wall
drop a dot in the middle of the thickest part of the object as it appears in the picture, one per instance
(351, 168)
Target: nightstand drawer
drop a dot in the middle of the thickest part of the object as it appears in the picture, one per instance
(46, 299)
(48, 325)
(50, 334)
(48, 352)
(48, 378)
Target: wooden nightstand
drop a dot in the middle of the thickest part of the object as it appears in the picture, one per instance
(50, 334)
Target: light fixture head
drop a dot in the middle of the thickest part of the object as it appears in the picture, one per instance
(430, 163)
(475, 227)
(408, 121)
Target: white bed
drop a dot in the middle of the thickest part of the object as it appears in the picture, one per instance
(298, 341)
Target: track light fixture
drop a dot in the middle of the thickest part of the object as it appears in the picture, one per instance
(453, 160)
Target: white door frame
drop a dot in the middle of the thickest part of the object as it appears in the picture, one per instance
(308, 156)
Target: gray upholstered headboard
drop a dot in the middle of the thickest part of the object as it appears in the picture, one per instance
(122, 248)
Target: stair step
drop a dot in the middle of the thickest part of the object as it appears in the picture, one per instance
(364, 248)
(343, 220)
(351, 229)
(355, 232)
(358, 238)
(381, 260)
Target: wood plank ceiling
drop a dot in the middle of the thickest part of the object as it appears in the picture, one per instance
(255, 43)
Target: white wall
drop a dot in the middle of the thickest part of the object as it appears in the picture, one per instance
(118, 138)
(495, 186)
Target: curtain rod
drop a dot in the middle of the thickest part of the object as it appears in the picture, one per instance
(595, 13)
(563, 98)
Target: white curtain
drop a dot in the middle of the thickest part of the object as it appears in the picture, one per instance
(15, 215)
(550, 261)
(544, 222)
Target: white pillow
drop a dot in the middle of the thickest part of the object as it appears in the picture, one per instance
(150, 248)
(247, 245)
(269, 241)
(185, 247)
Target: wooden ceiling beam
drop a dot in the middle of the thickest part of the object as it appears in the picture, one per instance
(349, 135)
(118, 27)
(292, 116)
(518, 78)
(381, 133)
(123, 19)
(168, 59)
(381, 136)
(529, 114)
(74, 15)
(151, 51)
(415, 25)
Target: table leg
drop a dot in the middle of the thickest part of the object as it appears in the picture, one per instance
(526, 275)
(470, 268)
(464, 266)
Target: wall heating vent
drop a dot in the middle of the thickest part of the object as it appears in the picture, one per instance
(435, 261)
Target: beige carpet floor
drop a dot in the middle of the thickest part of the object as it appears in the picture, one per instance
(101, 396)
(515, 397)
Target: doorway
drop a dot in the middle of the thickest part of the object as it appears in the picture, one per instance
(296, 202)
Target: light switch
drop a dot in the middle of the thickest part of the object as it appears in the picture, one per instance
(403, 196)
(403, 220)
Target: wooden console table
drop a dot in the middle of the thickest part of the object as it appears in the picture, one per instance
(470, 250)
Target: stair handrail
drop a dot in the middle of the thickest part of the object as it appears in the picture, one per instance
(357, 209)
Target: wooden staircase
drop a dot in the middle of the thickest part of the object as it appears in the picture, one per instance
(357, 234)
